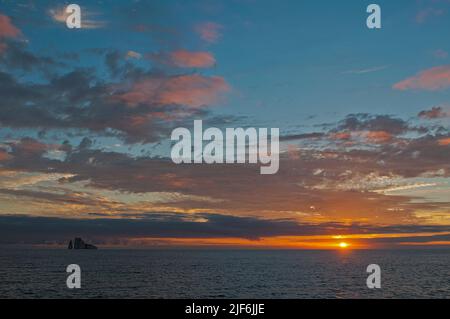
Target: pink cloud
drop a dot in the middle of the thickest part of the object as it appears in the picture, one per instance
(378, 136)
(433, 79)
(185, 59)
(188, 59)
(7, 29)
(190, 90)
(341, 136)
(209, 31)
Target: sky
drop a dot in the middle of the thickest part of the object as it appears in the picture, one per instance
(364, 115)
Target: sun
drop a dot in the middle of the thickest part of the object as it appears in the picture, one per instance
(343, 245)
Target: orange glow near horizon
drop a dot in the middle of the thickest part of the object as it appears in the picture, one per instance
(362, 241)
(343, 245)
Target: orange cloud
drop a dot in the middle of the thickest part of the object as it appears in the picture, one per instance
(190, 90)
(209, 31)
(7, 29)
(4, 156)
(341, 136)
(436, 78)
(186, 59)
(30, 147)
(444, 141)
(378, 136)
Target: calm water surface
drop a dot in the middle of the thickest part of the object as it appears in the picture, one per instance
(40, 273)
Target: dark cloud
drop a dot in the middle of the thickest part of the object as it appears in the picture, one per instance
(436, 112)
(28, 148)
(144, 105)
(294, 137)
(64, 198)
(412, 239)
(417, 156)
(113, 60)
(26, 229)
(85, 143)
(315, 183)
(368, 122)
(82, 100)
(79, 100)
(17, 57)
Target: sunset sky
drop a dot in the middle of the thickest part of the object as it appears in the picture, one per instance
(364, 116)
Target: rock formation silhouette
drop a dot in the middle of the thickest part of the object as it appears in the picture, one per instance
(78, 243)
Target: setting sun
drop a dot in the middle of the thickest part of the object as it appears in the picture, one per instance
(343, 245)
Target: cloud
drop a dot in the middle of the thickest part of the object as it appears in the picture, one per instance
(185, 59)
(292, 192)
(155, 225)
(28, 147)
(4, 156)
(341, 136)
(189, 90)
(424, 150)
(209, 31)
(367, 70)
(294, 137)
(133, 55)
(3, 47)
(71, 199)
(7, 29)
(7, 32)
(379, 136)
(372, 123)
(14, 180)
(333, 179)
(405, 187)
(433, 79)
(143, 107)
(436, 112)
(16, 57)
(113, 61)
(132, 101)
(34, 230)
(444, 141)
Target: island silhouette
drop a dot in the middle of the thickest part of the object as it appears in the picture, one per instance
(78, 243)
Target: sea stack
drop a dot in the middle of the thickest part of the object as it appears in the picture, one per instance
(78, 243)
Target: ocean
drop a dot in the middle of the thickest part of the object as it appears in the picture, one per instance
(223, 274)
